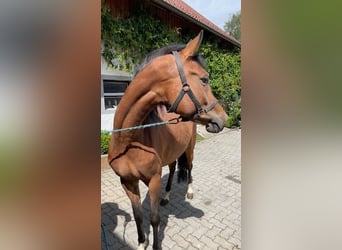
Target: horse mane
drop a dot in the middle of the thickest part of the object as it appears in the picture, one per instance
(164, 51)
(156, 53)
(154, 116)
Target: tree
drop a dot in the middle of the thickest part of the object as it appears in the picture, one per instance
(232, 26)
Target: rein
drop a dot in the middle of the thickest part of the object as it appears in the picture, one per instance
(171, 121)
(187, 90)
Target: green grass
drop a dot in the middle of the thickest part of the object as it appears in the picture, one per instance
(199, 138)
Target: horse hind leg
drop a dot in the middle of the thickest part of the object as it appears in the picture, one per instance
(190, 193)
(182, 175)
(184, 172)
(132, 190)
(166, 197)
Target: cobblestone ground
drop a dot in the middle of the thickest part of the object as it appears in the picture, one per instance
(211, 220)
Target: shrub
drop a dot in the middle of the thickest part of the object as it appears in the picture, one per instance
(225, 76)
(127, 40)
(104, 142)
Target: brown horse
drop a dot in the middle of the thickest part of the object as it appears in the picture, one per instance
(167, 86)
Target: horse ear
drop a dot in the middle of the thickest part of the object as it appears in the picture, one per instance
(192, 47)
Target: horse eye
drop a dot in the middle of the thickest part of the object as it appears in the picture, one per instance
(205, 80)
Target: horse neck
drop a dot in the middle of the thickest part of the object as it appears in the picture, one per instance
(136, 112)
(138, 101)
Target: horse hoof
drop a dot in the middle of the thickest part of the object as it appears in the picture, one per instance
(143, 246)
(190, 196)
(164, 202)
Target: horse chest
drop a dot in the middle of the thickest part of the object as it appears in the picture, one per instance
(170, 146)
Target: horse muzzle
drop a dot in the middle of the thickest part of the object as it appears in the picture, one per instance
(212, 124)
(213, 127)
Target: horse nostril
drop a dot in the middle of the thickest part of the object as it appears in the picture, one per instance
(213, 128)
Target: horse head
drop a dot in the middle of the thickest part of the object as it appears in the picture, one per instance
(189, 93)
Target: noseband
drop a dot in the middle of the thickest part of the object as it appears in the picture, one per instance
(187, 90)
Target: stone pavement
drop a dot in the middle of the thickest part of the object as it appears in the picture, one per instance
(212, 220)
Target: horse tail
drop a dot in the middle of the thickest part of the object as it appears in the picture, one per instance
(183, 167)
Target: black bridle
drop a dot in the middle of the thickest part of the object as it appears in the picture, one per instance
(187, 90)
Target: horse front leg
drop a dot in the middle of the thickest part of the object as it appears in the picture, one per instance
(132, 190)
(165, 200)
(154, 189)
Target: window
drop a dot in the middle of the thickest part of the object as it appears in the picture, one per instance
(113, 92)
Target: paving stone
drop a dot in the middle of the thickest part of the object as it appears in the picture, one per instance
(227, 233)
(221, 241)
(177, 247)
(181, 241)
(168, 242)
(191, 247)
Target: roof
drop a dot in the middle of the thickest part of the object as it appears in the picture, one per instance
(189, 13)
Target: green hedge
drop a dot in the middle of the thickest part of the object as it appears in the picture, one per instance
(225, 77)
(105, 138)
(127, 40)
